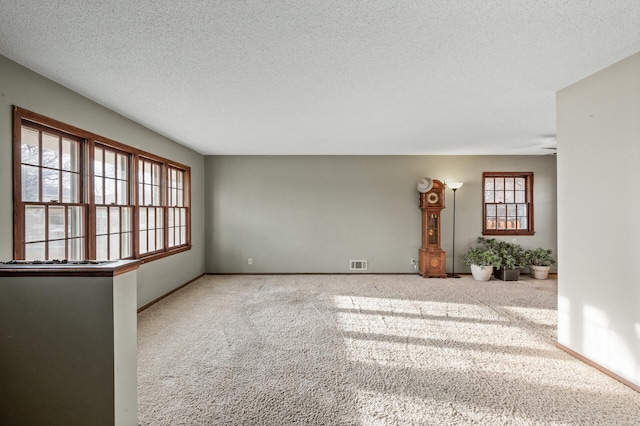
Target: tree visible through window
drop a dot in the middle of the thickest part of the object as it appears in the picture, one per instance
(507, 203)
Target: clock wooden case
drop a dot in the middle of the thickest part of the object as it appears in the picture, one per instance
(431, 257)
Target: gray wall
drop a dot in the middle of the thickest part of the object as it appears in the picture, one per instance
(598, 158)
(315, 213)
(26, 89)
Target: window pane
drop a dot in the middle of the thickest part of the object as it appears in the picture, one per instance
(156, 196)
(499, 197)
(508, 197)
(114, 246)
(180, 200)
(502, 210)
(102, 245)
(491, 209)
(56, 223)
(76, 249)
(151, 218)
(143, 242)
(499, 184)
(143, 217)
(109, 191)
(170, 214)
(98, 162)
(56, 250)
(109, 164)
(488, 183)
(74, 221)
(34, 219)
(147, 172)
(30, 187)
(522, 209)
(172, 178)
(508, 184)
(519, 197)
(520, 184)
(151, 240)
(126, 244)
(180, 179)
(114, 220)
(511, 222)
(34, 251)
(126, 219)
(183, 217)
(30, 148)
(122, 192)
(173, 200)
(489, 197)
(511, 209)
(123, 168)
(183, 235)
(156, 174)
(170, 236)
(69, 187)
(147, 195)
(50, 185)
(159, 238)
(98, 183)
(50, 151)
(101, 220)
(70, 155)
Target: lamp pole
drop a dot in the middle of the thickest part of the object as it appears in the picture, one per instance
(454, 186)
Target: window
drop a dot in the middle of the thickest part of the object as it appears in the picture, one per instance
(151, 211)
(112, 209)
(507, 203)
(50, 198)
(80, 196)
(177, 210)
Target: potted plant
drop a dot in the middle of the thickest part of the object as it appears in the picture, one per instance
(512, 258)
(481, 259)
(540, 262)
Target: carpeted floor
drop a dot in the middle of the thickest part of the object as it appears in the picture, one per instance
(366, 350)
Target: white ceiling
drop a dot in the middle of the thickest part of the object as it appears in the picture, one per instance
(326, 77)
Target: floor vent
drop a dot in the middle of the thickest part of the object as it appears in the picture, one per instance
(358, 265)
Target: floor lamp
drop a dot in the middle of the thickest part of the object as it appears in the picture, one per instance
(454, 186)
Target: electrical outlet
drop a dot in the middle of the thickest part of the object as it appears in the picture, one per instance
(514, 241)
(250, 261)
(413, 261)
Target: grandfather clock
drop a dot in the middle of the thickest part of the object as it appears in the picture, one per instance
(431, 257)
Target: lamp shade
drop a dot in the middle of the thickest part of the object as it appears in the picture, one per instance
(455, 185)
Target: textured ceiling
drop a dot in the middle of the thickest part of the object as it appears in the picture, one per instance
(326, 77)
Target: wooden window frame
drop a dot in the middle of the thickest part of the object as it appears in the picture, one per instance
(86, 184)
(186, 179)
(528, 176)
(128, 201)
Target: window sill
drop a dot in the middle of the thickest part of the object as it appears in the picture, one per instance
(163, 254)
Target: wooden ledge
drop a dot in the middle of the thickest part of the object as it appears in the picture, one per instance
(110, 269)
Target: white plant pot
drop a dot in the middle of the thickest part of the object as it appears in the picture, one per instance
(481, 273)
(539, 272)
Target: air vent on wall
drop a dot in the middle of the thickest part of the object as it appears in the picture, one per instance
(358, 265)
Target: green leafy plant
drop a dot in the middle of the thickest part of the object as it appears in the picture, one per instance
(511, 255)
(481, 257)
(540, 257)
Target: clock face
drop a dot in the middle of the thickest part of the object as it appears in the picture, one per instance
(433, 198)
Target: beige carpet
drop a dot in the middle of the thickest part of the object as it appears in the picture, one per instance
(366, 350)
